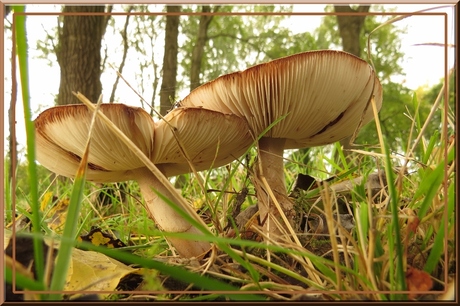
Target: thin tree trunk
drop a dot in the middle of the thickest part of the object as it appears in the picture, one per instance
(198, 48)
(350, 27)
(168, 86)
(79, 53)
(125, 53)
(195, 69)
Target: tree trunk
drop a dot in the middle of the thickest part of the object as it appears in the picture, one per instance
(350, 27)
(195, 69)
(198, 48)
(79, 53)
(168, 85)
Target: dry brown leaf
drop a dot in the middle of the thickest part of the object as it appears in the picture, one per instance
(417, 280)
(412, 221)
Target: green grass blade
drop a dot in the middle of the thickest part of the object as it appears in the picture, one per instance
(439, 239)
(71, 225)
(69, 234)
(22, 281)
(222, 246)
(8, 194)
(394, 201)
(433, 140)
(19, 21)
(203, 282)
(430, 184)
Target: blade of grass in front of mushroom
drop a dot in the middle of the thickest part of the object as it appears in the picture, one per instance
(70, 228)
(192, 217)
(200, 181)
(21, 48)
(223, 246)
(312, 275)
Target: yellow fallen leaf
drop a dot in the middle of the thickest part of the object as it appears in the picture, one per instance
(57, 215)
(92, 271)
(89, 270)
(45, 201)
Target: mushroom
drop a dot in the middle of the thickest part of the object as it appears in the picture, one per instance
(306, 99)
(207, 137)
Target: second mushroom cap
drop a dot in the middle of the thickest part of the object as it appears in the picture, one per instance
(323, 94)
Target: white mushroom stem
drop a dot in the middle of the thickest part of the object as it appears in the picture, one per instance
(271, 167)
(166, 218)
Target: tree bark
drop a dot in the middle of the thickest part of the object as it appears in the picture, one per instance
(79, 53)
(198, 48)
(350, 27)
(168, 85)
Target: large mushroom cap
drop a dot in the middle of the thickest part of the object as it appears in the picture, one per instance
(62, 132)
(323, 94)
(209, 138)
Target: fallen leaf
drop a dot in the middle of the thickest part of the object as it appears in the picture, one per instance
(56, 215)
(97, 237)
(92, 271)
(417, 280)
(88, 270)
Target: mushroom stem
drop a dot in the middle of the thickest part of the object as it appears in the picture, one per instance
(166, 218)
(271, 167)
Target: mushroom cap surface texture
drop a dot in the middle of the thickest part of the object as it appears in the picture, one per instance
(209, 138)
(62, 132)
(324, 96)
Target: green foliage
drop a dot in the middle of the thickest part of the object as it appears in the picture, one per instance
(385, 43)
(398, 112)
(427, 97)
(397, 101)
(236, 42)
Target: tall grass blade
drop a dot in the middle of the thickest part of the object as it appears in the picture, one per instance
(70, 228)
(394, 200)
(430, 185)
(21, 47)
(223, 246)
(26, 282)
(439, 239)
